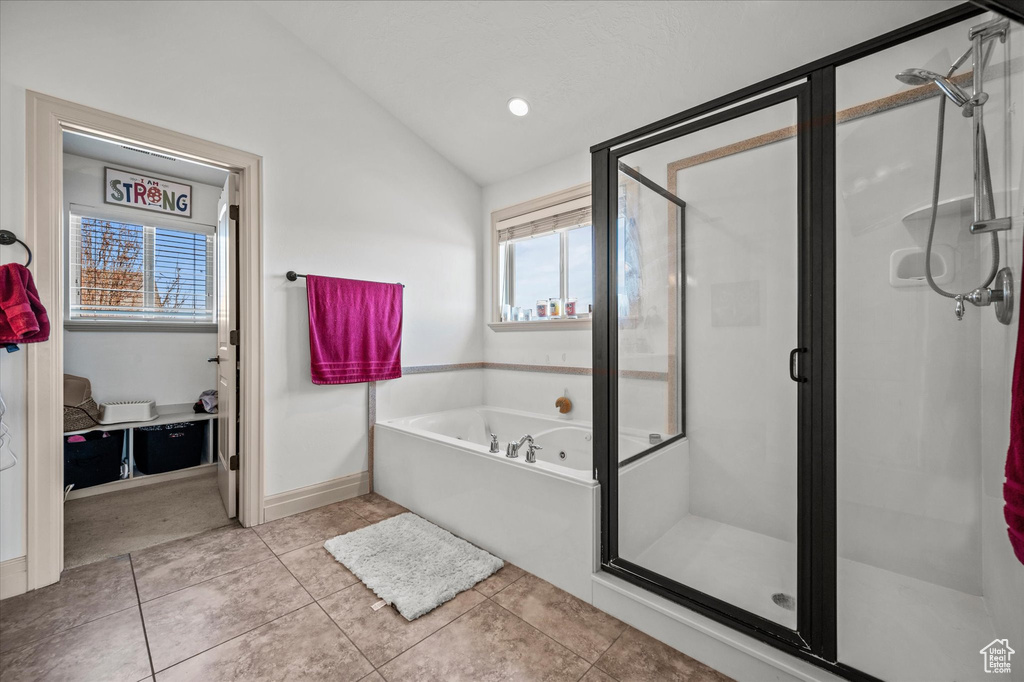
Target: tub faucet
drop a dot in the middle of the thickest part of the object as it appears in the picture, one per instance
(513, 448)
(531, 452)
(494, 443)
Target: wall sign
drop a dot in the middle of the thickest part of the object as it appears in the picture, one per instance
(128, 188)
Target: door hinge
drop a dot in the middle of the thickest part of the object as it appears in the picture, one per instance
(233, 337)
(233, 212)
(233, 463)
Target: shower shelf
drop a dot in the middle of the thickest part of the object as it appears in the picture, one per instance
(961, 207)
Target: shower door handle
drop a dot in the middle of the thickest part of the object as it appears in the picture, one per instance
(794, 372)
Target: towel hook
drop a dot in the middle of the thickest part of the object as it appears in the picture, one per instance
(7, 238)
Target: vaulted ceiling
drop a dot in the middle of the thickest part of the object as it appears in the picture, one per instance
(590, 70)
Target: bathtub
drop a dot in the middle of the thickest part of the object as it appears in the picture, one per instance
(540, 516)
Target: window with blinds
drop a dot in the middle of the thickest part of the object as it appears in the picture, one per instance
(545, 254)
(131, 272)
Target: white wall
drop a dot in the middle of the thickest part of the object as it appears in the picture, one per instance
(347, 191)
(168, 367)
(534, 391)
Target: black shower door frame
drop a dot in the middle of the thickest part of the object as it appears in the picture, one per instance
(813, 87)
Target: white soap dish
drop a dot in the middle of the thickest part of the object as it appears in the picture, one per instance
(128, 411)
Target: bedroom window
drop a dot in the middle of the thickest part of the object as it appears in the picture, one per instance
(138, 274)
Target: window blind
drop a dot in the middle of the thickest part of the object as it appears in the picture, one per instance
(563, 216)
(132, 272)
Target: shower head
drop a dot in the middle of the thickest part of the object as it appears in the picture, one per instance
(924, 76)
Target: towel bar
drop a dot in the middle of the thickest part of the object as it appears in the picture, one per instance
(292, 276)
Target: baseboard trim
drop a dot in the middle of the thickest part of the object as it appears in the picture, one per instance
(290, 502)
(13, 577)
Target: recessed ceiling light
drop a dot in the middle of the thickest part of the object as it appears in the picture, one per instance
(518, 106)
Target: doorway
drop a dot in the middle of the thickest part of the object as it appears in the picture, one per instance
(234, 316)
(149, 370)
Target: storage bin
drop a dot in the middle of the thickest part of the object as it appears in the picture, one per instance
(94, 460)
(168, 447)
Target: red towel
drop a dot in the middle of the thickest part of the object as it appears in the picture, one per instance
(22, 315)
(1013, 488)
(355, 330)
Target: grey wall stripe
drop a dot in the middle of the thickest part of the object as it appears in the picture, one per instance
(543, 369)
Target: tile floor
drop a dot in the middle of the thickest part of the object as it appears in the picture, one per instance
(269, 603)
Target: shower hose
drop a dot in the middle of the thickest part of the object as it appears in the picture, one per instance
(987, 184)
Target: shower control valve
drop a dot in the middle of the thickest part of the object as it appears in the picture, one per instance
(983, 296)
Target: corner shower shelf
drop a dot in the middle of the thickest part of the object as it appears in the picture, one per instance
(956, 207)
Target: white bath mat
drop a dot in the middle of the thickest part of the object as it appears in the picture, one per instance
(411, 563)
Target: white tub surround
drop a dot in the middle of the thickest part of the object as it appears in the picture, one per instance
(541, 516)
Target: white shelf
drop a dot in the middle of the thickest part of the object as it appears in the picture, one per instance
(166, 414)
(141, 480)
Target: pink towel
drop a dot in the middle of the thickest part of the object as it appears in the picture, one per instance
(1013, 489)
(355, 330)
(22, 315)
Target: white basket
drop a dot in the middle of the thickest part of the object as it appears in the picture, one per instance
(127, 411)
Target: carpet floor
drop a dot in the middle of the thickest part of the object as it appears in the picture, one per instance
(117, 523)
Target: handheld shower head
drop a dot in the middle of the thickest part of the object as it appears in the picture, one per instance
(924, 76)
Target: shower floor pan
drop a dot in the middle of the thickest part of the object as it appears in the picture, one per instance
(890, 625)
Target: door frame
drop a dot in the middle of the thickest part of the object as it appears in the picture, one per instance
(46, 119)
(800, 94)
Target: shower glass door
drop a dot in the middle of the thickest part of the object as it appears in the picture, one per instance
(708, 236)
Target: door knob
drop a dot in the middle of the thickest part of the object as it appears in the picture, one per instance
(215, 359)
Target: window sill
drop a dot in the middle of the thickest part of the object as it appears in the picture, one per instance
(541, 325)
(74, 326)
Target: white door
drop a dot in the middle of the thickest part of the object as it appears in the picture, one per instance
(227, 352)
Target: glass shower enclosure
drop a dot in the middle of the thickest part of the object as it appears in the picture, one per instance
(803, 439)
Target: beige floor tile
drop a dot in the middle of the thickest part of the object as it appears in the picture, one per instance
(112, 649)
(570, 621)
(374, 507)
(197, 618)
(316, 525)
(174, 565)
(637, 657)
(318, 571)
(507, 575)
(83, 594)
(488, 643)
(373, 677)
(383, 634)
(303, 645)
(595, 675)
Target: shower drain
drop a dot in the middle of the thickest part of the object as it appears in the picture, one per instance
(786, 601)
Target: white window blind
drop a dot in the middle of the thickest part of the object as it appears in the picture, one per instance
(560, 217)
(132, 272)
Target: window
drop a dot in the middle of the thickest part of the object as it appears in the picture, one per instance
(122, 271)
(544, 251)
